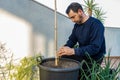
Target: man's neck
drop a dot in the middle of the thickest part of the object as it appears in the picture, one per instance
(85, 18)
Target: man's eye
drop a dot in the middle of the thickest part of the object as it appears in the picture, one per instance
(71, 17)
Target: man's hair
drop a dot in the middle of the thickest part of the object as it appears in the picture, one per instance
(74, 7)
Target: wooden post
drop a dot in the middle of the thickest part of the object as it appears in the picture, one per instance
(55, 35)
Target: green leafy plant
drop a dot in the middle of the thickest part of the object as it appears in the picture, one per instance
(93, 9)
(90, 6)
(99, 14)
(97, 72)
(25, 70)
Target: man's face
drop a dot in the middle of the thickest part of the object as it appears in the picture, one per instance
(76, 17)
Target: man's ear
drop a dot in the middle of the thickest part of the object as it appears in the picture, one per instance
(79, 10)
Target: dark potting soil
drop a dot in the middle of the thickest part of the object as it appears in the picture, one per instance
(61, 64)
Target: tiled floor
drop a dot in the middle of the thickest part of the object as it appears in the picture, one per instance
(114, 61)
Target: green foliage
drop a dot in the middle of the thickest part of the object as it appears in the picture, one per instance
(25, 70)
(13, 69)
(99, 14)
(5, 58)
(76, 46)
(93, 9)
(97, 72)
(90, 4)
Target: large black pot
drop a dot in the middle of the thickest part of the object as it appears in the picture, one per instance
(69, 72)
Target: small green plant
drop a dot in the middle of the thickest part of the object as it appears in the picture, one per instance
(97, 72)
(25, 70)
(6, 57)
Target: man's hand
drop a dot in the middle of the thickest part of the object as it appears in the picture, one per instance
(66, 51)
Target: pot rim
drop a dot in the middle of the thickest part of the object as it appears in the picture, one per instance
(59, 69)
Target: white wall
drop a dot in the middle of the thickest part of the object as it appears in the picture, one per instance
(111, 7)
(16, 33)
(112, 36)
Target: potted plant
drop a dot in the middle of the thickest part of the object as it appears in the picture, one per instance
(66, 69)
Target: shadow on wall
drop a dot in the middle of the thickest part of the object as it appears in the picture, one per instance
(42, 20)
(15, 33)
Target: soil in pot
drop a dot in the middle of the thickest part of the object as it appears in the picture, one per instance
(67, 69)
(62, 64)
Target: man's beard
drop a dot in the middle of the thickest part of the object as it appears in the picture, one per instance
(80, 19)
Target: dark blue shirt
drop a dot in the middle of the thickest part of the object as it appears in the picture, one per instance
(90, 37)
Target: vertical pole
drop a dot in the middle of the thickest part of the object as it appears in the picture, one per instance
(55, 34)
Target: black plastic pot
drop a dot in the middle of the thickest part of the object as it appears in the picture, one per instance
(59, 73)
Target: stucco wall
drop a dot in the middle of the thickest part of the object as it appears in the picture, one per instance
(41, 19)
(112, 36)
